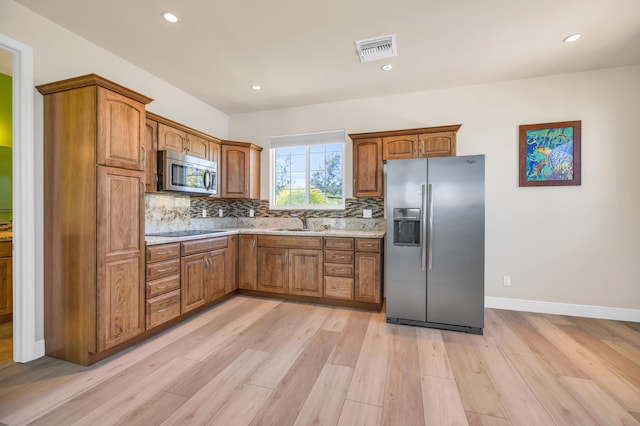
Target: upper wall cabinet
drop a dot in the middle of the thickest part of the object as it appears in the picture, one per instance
(371, 149)
(240, 170)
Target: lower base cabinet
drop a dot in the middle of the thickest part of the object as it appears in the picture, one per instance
(203, 274)
(6, 281)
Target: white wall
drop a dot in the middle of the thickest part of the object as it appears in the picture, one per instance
(576, 245)
(60, 54)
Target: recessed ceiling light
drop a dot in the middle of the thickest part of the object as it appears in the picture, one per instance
(169, 17)
(571, 38)
(387, 67)
(256, 87)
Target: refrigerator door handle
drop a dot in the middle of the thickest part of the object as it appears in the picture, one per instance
(430, 226)
(423, 221)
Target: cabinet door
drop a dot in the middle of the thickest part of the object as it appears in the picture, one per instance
(235, 172)
(231, 282)
(273, 273)
(150, 157)
(197, 147)
(305, 272)
(121, 131)
(193, 277)
(6, 286)
(120, 251)
(216, 274)
(398, 147)
(248, 262)
(214, 155)
(367, 167)
(440, 144)
(368, 277)
(170, 139)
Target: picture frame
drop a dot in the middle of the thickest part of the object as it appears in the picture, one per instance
(550, 154)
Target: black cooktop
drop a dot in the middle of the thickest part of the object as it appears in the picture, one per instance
(186, 233)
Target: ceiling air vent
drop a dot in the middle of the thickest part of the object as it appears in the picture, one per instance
(376, 48)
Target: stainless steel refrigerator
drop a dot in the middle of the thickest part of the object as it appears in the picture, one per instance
(434, 250)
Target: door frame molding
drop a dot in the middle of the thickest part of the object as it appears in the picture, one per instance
(27, 248)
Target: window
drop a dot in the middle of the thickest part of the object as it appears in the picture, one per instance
(307, 171)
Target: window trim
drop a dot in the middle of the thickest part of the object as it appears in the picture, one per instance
(306, 140)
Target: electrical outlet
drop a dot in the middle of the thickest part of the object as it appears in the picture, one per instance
(204, 212)
(366, 213)
(506, 281)
(220, 213)
(252, 213)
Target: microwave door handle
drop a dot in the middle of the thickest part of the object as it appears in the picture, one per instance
(207, 179)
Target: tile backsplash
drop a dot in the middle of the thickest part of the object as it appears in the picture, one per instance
(170, 212)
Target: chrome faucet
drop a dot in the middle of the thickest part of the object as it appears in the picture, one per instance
(302, 217)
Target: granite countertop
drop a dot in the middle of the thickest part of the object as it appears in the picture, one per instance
(152, 240)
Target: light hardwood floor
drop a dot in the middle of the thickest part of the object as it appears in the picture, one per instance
(268, 362)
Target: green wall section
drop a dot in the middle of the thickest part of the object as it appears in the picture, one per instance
(5, 148)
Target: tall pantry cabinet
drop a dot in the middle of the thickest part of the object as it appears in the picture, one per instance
(94, 176)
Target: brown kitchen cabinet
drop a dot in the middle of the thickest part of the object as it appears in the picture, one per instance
(290, 265)
(215, 155)
(6, 281)
(248, 262)
(174, 137)
(399, 147)
(231, 280)
(162, 284)
(203, 271)
(151, 149)
(93, 217)
(368, 270)
(339, 263)
(240, 170)
(367, 167)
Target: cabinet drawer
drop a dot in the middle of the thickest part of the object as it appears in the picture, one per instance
(163, 252)
(336, 243)
(163, 308)
(207, 244)
(331, 256)
(5, 249)
(338, 288)
(162, 286)
(368, 244)
(163, 269)
(337, 269)
(286, 241)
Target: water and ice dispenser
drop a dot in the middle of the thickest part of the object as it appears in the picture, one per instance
(406, 227)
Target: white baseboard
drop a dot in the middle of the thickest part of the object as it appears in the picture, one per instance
(38, 349)
(589, 311)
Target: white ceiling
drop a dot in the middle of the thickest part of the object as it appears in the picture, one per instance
(301, 51)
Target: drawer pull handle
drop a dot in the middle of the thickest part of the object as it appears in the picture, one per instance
(164, 286)
(163, 310)
(164, 252)
(164, 270)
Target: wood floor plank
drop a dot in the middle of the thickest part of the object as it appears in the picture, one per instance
(632, 325)
(217, 338)
(476, 389)
(347, 349)
(632, 352)
(201, 407)
(359, 414)
(154, 411)
(137, 394)
(601, 406)
(561, 405)
(635, 415)
(518, 400)
(324, 403)
(337, 319)
(614, 359)
(285, 402)
(621, 330)
(370, 375)
(23, 377)
(618, 387)
(434, 360)
(403, 391)
(242, 406)
(276, 367)
(537, 344)
(442, 404)
(477, 419)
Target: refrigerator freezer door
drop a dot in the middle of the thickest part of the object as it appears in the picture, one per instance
(455, 291)
(406, 282)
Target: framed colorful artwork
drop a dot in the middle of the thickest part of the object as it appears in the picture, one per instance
(550, 154)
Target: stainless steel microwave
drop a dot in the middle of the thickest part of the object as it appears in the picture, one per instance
(186, 174)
